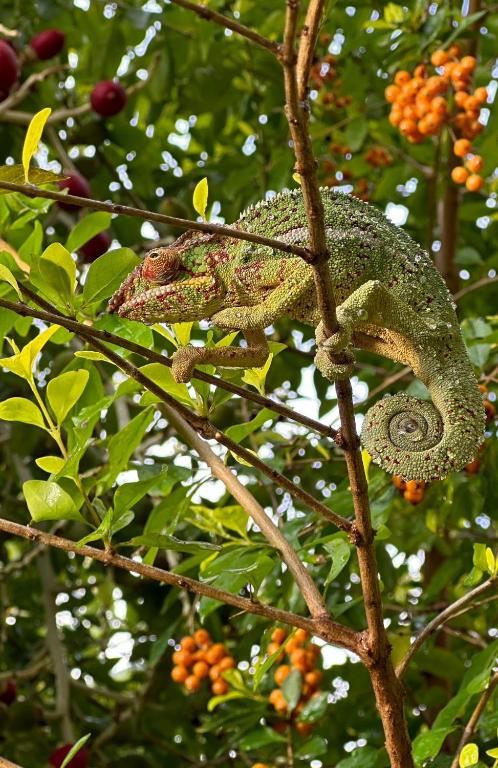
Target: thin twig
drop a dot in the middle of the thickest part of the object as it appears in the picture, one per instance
(450, 612)
(37, 77)
(345, 637)
(483, 282)
(126, 210)
(210, 15)
(474, 718)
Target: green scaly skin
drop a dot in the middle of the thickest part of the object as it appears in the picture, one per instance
(390, 300)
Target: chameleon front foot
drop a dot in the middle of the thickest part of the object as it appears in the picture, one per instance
(338, 343)
(183, 362)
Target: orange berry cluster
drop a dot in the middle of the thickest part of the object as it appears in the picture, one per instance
(378, 157)
(303, 656)
(411, 490)
(468, 173)
(199, 658)
(419, 108)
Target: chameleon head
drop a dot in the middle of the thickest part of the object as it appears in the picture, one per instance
(173, 284)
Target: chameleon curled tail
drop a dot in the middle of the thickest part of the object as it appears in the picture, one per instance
(420, 440)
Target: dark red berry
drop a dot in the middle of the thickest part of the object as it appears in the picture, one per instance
(108, 98)
(9, 68)
(75, 185)
(8, 692)
(95, 247)
(80, 760)
(48, 43)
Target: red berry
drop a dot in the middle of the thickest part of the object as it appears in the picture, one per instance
(9, 68)
(8, 692)
(80, 760)
(108, 98)
(48, 43)
(95, 247)
(76, 185)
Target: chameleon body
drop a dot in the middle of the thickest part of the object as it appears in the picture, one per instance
(390, 300)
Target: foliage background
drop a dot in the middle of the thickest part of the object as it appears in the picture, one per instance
(213, 107)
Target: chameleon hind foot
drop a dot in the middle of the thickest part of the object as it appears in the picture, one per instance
(339, 343)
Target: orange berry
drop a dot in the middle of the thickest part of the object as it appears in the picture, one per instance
(192, 683)
(277, 698)
(414, 485)
(474, 182)
(410, 112)
(301, 636)
(407, 126)
(460, 98)
(313, 678)
(215, 672)
(436, 84)
(475, 128)
(188, 644)
(219, 687)
(475, 163)
(423, 107)
(391, 93)
(490, 410)
(259, 765)
(215, 653)
(273, 648)
(481, 94)
(454, 51)
(483, 388)
(448, 69)
(468, 63)
(398, 482)
(439, 58)
(179, 674)
(202, 637)
(228, 662)
(200, 669)
(471, 104)
(462, 147)
(439, 105)
(420, 71)
(473, 467)
(304, 729)
(459, 174)
(278, 635)
(182, 659)
(396, 116)
(314, 649)
(402, 77)
(414, 497)
(433, 122)
(281, 673)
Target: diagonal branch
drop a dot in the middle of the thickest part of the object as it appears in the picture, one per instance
(474, 718)
(307, 45)
(210, 15)
(199, 423)
(37, 77)
(336, 634)
(448, 613)
(126, 210)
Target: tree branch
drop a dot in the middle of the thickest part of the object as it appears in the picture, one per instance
(37, 77)
(336, 634)
(474, 718)
(126, 210)
(210, 15)
(448, 613)
(307, 45)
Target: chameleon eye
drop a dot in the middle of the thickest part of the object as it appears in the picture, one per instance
(160, 266)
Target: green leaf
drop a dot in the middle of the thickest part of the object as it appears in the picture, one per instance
(215, 701)
(479, 558)
(57, 254)
(291, 689)
(107, 273)
(200, 197)
(162, 376)
(490, 561)
(21, 409)
(89, 226)
(313, 747)
(163, 541)
(14, 174)
(428, 744)
(48, 501)
(315, 708)
(123, 443)
(90, 354)
(260, 738)
(7, 277)
(65, 390)
(53, 282)
(74, 750)
(182, 332)
(51, 464)
(339, 550)
(364, 757)
(32, 139)
(240, 431)
(21, 363)
(356, 133)
(469, 756)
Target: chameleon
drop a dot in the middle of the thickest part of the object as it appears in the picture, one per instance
(390, 298)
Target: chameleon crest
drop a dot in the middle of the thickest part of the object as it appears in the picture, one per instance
(390, 300)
